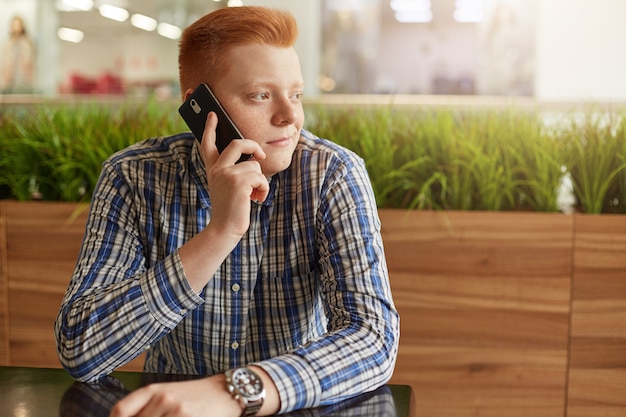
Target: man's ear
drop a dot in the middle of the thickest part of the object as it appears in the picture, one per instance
(187, 94)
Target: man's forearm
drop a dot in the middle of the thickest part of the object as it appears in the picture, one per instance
(100, 331)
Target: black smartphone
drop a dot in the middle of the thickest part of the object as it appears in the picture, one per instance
(195, 111)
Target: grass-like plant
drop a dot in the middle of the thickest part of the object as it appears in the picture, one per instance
(56, 152)
(616, 198)
(436, 158)
(596, 150)
(369, 134)
(451, 159)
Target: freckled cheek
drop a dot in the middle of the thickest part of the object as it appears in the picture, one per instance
(299, 122)
(248, 125)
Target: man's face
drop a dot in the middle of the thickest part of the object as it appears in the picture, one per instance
(261, 91)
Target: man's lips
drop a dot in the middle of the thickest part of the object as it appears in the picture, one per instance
(282, 141)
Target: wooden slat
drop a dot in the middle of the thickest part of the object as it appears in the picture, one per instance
(597, 379)
(4, 291)
(484, 306)
(44, 242)
(484, 300)
(32, 327)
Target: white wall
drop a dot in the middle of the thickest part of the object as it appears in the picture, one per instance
(581, 50)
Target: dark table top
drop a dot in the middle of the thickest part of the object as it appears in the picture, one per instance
(43, 392)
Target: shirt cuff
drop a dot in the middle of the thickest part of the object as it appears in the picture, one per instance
(297, 384)
(167, 292)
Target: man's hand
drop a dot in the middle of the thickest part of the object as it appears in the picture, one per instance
(231, 186)
(196, 398)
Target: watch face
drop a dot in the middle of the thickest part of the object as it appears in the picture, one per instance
(247, 383)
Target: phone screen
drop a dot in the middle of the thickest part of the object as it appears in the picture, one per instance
(195, 111)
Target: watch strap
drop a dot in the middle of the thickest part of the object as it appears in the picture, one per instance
(251, 407)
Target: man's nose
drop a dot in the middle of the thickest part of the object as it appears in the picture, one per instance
(286, 112)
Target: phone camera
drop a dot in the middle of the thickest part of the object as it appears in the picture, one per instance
(195, 106)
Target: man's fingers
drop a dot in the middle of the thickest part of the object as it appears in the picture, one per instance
(232, 153)
(260, 189)
(132, 404)
(208, 147)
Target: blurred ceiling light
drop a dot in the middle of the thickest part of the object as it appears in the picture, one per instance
(468, 11)
(113, 12)
(74, 5)
(344, 5)
(70, 35)
(124, 4)
(235, 3)
(414, 17)
(143, 22)
(169, 31)
(326, 83)
(406, 5)
(412, 11)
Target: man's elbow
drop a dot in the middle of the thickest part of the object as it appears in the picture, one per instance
(73, 360)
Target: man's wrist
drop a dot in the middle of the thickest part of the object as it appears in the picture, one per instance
(246, 387)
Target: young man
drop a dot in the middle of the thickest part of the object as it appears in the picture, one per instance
(267, 275)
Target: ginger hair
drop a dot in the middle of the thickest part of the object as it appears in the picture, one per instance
(205, 42)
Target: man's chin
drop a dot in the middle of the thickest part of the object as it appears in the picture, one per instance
(272, 167)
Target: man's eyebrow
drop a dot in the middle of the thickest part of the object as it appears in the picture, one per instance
(267, 83)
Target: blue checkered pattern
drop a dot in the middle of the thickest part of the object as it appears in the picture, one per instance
(305, 294)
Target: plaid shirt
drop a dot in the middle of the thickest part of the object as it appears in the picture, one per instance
(305, 294)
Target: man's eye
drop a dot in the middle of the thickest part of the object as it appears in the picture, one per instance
(260, 96)
(297, 95)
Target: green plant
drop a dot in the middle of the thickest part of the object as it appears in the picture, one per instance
(417, 158)
(617, 193)
(56, 153)
(595, 159)
(451, 159)
(369, 134)
(534, 159)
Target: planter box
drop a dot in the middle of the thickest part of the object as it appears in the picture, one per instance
(597, 371)
(42, 241)
(502, 313)
(484, 307)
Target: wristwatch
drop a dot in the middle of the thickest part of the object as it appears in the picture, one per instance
(246, 387)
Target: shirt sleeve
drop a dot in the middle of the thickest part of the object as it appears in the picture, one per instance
(115, 306)
(358, 352)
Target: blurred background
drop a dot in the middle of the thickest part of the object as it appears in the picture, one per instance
(549, 50)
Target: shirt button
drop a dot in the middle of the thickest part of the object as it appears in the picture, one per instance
(182, 311)
(235, 287)
(234, 345)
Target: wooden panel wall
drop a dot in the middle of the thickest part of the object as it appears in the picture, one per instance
(4, 291)
(44, 244)
(597, 378)
(42, 253)
(484, 305)
(486, 301)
